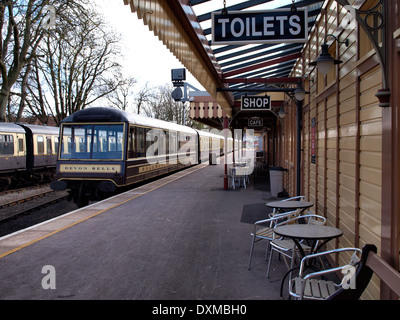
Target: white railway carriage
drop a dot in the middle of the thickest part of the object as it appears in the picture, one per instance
(105, 149)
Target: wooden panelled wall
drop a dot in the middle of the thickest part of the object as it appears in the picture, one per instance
(345, 181)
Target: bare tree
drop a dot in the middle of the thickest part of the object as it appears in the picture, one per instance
(21, 31)
(120, 97)
(145, 96)
(75, 65)
(163, 106)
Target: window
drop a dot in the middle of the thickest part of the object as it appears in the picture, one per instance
(94, 141)
(140, 142)
(6, 144)
(40, 145)
(131, 143)
(56, 144)
(20, 145)
(49, 146)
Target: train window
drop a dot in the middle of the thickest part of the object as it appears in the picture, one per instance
(95, 141)
(49, 145)
(131, 143)
(40, 145)
(6, 144)
(20, 145)
(156, 142)
(149, 140)
(140, 142)
(172, 142)
(56, 144)
(69, 145)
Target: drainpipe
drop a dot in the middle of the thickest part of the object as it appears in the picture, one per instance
(298, 164)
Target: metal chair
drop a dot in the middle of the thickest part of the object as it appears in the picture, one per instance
(287, 247)
(297, 198)
(312, 286)
(263, 229)
(239, 174)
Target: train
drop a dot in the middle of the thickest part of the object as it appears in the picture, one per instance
(104, 150)
(28, 154)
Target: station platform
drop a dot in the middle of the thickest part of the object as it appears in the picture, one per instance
(182, 237)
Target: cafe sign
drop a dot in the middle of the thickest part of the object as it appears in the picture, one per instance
(267, 26)
(255, 122)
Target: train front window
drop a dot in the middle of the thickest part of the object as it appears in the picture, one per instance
(92, 142)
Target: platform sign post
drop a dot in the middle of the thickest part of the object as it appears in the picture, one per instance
(266, 26)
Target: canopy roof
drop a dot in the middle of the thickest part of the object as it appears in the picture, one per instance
(225, 71)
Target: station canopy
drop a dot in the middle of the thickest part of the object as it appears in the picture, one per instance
(226, 71)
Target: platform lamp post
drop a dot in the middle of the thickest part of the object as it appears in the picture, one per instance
(298, 97)
(178, 77)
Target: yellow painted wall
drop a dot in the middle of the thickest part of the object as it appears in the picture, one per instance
(345, 181)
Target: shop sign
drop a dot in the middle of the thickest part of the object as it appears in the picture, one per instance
(257, 103)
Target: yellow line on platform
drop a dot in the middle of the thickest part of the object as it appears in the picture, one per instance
(191, 170)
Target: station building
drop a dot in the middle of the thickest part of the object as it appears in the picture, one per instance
(341, 143)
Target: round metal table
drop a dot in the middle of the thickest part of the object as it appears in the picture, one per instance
(283, 206)
(297, 232)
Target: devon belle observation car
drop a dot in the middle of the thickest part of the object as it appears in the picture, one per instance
(104, 149)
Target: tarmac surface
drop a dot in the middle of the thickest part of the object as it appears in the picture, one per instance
(181, 238)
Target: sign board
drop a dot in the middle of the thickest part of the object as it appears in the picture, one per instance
(267, 26)
(178, 74)
(313, 142)
(255, 122)
(258, 103)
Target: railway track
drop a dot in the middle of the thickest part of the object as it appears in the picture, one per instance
(22, 208)
(15, 208)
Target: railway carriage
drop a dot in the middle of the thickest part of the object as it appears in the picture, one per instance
(209, 144)
(28, 153)
(42, 142)
(103, 149)
(12, 148)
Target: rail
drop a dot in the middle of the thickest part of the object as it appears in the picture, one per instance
(389, 275)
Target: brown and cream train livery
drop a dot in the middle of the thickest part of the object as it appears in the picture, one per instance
(104, 149)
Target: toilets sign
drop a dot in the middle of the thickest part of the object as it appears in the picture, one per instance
(267, 26)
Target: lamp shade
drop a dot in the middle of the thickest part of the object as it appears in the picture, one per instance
(325, 66)
(300, 94)
(281, 113)
(325, 61)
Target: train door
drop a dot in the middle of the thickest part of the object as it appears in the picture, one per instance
(51, 150)
(20, 150)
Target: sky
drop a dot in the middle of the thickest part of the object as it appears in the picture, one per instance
(146, 58)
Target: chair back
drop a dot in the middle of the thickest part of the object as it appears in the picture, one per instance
(308, 219)
(299, 198)
(362, 275)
